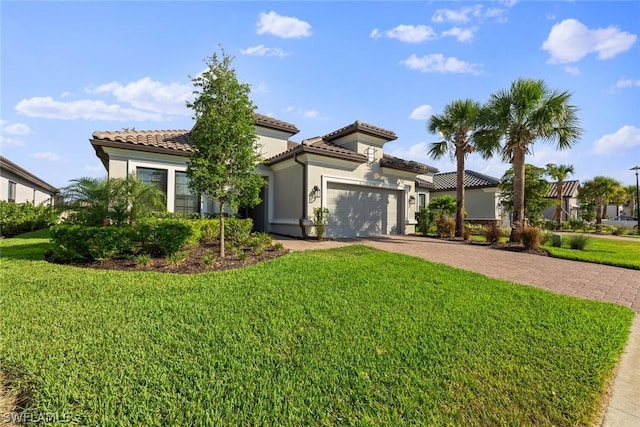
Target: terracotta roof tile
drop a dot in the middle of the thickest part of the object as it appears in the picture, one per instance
(392, 162)
(359, 126)
(318, 145)
(447, 180)
(270, 122)
(421, 183)
(168, 139)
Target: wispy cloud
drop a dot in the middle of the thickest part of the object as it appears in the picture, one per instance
(438, 63)
(9, 131)
(461, 34)
(48, 108)
(570, 41)
(624, 84)
(286, 27)
(422, 112)
(626, 137)
(407, 33)
(467, 14)
(262, 50)
(46, 155)
(574, 71)
(307, 114)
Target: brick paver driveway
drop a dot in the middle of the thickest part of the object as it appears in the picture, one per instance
(601, 282)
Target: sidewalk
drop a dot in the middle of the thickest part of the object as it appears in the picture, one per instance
(579, 279)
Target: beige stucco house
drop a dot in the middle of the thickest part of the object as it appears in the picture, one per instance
(570, 203)
(18, 185)
(366, 191)
(481, 197)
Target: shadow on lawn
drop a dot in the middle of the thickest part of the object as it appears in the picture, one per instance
(28, 251)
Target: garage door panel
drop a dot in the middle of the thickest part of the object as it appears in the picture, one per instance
(361, 211)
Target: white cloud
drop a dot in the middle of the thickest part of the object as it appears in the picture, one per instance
(14, 128)
(262, 50)
(623, 84)
(311, 114)
(260, 88)
(570, 41)
(462, 34)
(574, 71)
(65, 94)
(624, 138)
(150, 95)
(286, 27)
(6, 141)
(416, 152)
(407, 33)
(465, 14)
(438, 63)
(422, 112)
(46, 155)
(46, 107)
(307, 114)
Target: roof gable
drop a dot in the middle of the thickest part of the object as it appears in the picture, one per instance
(9, 166)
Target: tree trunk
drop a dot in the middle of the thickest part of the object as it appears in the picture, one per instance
(518, 193)
(459, 192)
(222, 229)
(558, 216)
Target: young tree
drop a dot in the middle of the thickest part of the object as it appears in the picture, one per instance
(527, 112)
(224, 161)
(534, 198)
(559, 173)
(456, 126)
(599, 192)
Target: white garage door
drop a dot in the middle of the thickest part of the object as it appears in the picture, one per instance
(362, 211)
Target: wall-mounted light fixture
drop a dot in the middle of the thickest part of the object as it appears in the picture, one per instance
(315, 191)
(412, 200)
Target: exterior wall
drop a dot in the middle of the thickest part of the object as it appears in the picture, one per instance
(479, 203)
(569, 209)
(25, 190)
(285, 192)
(271, 142)
(361, 142)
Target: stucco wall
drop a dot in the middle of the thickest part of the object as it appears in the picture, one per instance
(25, 191)
(271, 142)
(479, 203)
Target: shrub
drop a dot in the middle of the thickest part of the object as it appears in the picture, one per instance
(143, 260)
(466, 233)
(237, 230)
(445, 227)
(177, 258)
(171, 235)
(18, 218)
(82, 243)
(578, 242)
(209, 230)
(320, 217)
(423, 221)
(556, 240)
(260, 241)
(493, 233)
(531, 237)
(577, 224)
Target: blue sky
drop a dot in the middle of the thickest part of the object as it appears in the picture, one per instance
(71, 68)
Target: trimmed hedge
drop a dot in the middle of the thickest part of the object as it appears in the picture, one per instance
(150, 236)
(18, 218)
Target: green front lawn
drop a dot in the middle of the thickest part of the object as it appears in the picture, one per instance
(344, 336)
(616, 252)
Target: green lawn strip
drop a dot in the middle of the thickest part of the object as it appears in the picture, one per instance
(616, 252)
(344, 336)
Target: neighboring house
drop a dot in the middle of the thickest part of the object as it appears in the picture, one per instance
(570, 204)
(18, 185)
(481, 196)
(346, 171)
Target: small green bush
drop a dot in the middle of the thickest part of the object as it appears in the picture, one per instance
(209, 230)
(423, 222)
(556, 240)
(238, 230)
(72, 242)
(260, 241)
(578, 242)
(320, 217)
(143, 260)
(18, 218)
(171, 235)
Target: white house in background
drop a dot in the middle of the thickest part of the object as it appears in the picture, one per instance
(481, 196)
(366, 191)
(570, 203)
(17, 185)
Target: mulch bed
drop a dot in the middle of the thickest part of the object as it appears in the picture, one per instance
(201, 259)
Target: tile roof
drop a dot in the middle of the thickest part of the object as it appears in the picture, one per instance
(176, 140)
(25, 174)
(270, 122)
(447, 180)
(569, 189)
(320, 146)
(392, 162)
(421, 183)
(359, 126)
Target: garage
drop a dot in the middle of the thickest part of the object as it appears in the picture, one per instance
(362, 211)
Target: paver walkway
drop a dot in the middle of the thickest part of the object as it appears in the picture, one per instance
(580, 279)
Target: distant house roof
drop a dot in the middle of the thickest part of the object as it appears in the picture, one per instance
(13, 168)
(447, 180)
(389, 161)
(361, 127)
(569, 189)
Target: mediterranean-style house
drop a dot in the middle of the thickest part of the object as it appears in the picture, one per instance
(366, 191)
(570, 203)
(481, 197)
(17, 185)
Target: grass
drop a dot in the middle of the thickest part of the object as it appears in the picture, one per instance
(616, 252)
(344, 336)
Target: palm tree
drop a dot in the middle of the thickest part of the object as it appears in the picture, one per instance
(598, 191)
(631, 200)
(559, 173)
(515, 119)
(456, 126)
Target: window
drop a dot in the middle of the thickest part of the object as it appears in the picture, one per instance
(185, 201)
(422, 201)
(11, 194)
(157, 177)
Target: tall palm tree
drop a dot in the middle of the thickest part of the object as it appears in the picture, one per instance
(559, 173)
(598, 191)
(515, 119)
(632, 200)
(456, 126)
